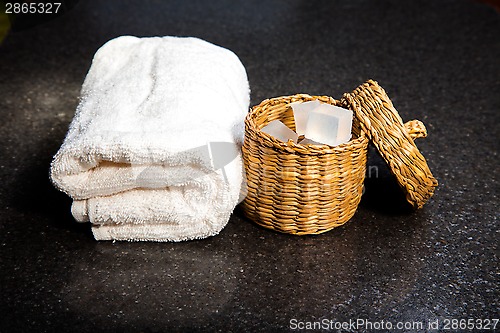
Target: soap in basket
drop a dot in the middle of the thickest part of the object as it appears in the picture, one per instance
(329, 124)
(301, 114)
(307, 141)
(280, 131)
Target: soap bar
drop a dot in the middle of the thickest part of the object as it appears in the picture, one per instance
(329, 125)
(280, 131)
(307, 141)
(300, 113)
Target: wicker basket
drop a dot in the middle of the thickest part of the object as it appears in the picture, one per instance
(310, 189)
(300, 189)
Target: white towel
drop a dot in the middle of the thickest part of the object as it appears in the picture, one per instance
(139, 157)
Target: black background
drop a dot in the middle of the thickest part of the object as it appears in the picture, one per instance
(438, 61)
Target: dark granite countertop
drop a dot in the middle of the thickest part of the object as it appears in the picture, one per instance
(438, 61)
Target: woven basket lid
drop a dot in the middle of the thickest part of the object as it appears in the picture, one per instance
(384, 127)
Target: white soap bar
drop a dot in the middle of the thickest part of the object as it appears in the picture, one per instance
(300, 114)
(280, 131)
(329, 124)
(307, 141)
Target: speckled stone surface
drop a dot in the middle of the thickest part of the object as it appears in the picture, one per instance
(438, 61)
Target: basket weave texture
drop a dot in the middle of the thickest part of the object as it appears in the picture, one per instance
(394, 140)
(300, 189)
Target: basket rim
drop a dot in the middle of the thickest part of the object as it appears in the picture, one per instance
(296, 148)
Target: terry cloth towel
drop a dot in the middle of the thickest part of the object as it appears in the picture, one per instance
(153, 150)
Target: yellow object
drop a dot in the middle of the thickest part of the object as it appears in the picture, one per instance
(4, 26)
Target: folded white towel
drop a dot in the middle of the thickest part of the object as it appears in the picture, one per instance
(139, 157)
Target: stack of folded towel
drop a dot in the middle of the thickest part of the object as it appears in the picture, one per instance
(153, 150)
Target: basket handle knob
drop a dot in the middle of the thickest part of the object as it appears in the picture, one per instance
(416, 129)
